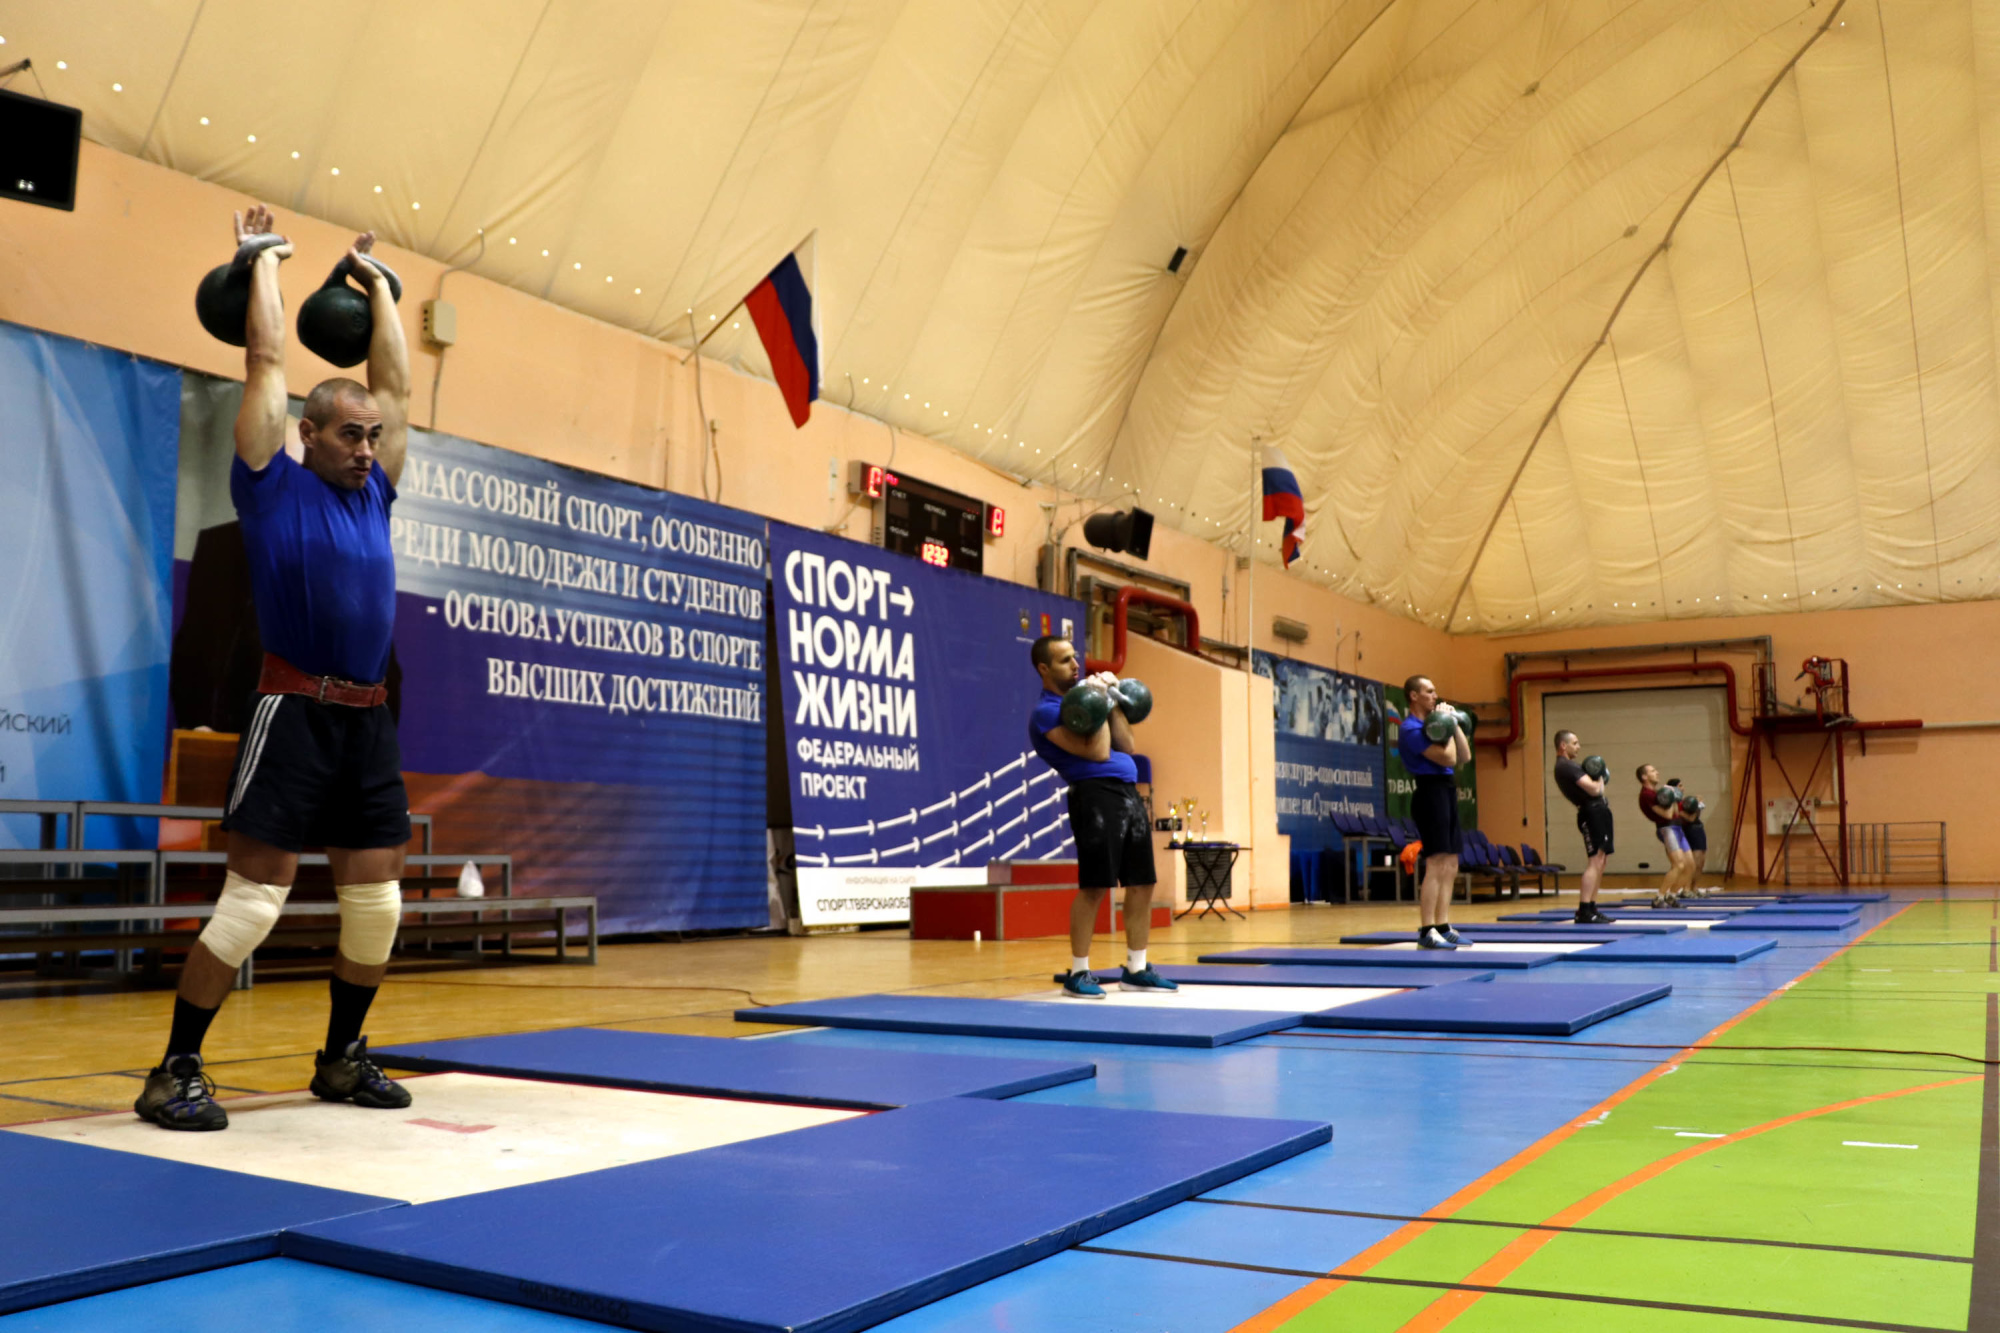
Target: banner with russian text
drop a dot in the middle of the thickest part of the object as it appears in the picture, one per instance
(577, 669)
(86, 568)
(1329, 748)
(583, 667)
(906, 692)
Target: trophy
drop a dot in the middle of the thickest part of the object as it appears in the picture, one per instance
(1204, 826)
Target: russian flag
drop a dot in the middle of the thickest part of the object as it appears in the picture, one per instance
(781, 307)
(1283, 499)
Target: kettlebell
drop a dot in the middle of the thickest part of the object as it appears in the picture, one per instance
(1134, 699)
(222, 301)
(336, 322)
(1085, 708)
(1666, 796)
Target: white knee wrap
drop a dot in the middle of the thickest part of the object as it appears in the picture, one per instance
(369, 915)
(244, 915)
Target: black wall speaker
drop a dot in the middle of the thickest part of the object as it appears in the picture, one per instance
(1131, 532)
(39, 142)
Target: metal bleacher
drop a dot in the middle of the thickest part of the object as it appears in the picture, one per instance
(140, 915)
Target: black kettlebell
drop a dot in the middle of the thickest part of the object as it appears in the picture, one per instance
(222, 301)
(336, 322)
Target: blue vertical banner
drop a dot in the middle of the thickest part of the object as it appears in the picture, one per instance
(582, 681)
(906, 693)
(1330, 728)
(89, 448)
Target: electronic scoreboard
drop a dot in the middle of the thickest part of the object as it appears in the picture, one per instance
(939, 527)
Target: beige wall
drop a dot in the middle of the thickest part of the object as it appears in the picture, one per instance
(531, 376)
(1203, 747)
(1926, 662)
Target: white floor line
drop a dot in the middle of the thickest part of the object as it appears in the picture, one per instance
(1265, 999)
(1501, 947)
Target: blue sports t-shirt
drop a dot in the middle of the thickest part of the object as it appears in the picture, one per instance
(1074, 768)
(1411, 744)
(322, 572)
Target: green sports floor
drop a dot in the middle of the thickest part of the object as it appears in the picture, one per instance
(1826, 1157)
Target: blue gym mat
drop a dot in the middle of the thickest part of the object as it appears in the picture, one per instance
(1760, 921)
(291, 1296)
(1226, 975)
(1525, 1008)
(1695, 947)
(1379, 958)
(1835, 897)
(781, 1071)
(91, 1219)
(821, 1230)
(1164, 1024)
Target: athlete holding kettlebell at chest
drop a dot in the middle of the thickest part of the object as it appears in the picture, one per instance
(1433, 742)
(1082, 728)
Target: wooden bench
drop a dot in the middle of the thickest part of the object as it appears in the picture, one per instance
(544, 916)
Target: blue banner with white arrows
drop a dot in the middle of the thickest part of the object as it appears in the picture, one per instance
(906, 692)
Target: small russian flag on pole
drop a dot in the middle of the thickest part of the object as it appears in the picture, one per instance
(1283, 499)
(781, 307)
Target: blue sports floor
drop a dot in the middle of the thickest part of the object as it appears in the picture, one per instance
(1417, 1120)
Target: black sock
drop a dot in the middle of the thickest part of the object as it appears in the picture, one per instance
(349, 1012)
(190, 1027)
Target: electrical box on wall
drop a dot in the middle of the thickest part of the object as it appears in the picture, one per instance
(440, 323)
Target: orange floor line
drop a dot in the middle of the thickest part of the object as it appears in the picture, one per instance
(1277, 1314)
(1519, 1250)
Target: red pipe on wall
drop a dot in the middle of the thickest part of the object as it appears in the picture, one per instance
(1501, 743)
(1119, 609)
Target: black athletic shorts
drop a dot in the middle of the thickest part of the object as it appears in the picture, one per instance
(1593, 821)
(1696, 835)
(1114, 843)
(310, 774)
(1434, 810)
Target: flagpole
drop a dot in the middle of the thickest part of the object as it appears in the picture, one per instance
(1250, 671)
(717, 321)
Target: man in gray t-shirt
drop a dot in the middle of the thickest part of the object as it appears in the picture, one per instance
(1585, 791)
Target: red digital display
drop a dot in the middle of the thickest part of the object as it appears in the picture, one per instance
(877, 480)
(996, 521)
(935, 552)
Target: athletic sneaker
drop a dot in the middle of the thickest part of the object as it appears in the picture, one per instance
(1597, 917)
(178, 1095)
(1146, 978)
(1081, 986)
(1430, 937)
(1450, 935)
(352, 1077)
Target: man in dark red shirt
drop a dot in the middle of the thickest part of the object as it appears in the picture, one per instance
(1666, 822)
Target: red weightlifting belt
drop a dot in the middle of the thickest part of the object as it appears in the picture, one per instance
(281, 677)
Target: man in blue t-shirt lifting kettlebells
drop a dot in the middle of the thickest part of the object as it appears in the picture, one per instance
(1083, 730)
